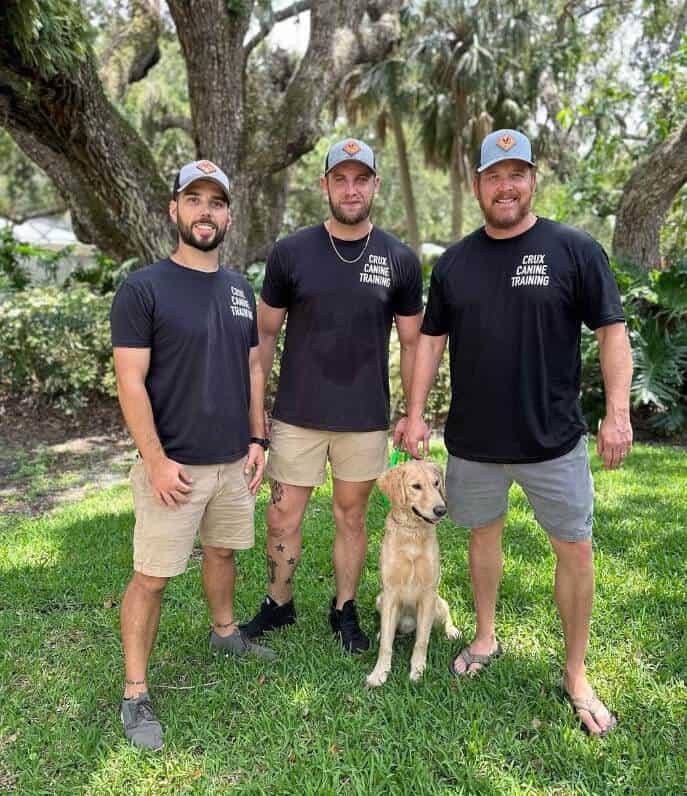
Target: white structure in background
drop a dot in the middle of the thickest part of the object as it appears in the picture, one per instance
(52, 233)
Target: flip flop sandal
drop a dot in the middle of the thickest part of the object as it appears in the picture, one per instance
(473, 657)
(594, 706)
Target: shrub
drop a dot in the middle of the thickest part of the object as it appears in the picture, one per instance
(55, 345)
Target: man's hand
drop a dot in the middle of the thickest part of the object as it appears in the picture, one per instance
(169, 481)
(255, 463)
(414, 431)
(613, 441)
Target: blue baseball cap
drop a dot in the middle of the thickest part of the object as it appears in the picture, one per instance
(349, 149)
(504, 145)
(201, 170)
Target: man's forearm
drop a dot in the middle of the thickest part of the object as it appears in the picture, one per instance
(408, 356)
(615, 357)
(256, 417)
(138, 414)
(266, 349)
(425, 366)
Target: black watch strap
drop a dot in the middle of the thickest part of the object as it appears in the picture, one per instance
(264, 443)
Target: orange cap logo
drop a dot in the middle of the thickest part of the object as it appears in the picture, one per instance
(506, 142)
(206, 167)
(351, 148)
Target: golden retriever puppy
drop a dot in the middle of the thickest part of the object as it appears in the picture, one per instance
(409, 564)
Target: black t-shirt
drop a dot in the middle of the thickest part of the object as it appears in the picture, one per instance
(513, 310)
(199, 327)
(335, 366)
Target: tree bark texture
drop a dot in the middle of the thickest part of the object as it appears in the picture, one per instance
(647, 197)
(406, 181)
(103, 167)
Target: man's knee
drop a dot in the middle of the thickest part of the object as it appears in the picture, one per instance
(350, 518)
(149, 584)
(577, 556)
(223, 554)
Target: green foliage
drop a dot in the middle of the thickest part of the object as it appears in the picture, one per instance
(50, 36)
(103, 276)
(55, 345)
(655, 305)
(14, 272)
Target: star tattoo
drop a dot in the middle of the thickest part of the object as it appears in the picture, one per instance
(291, 561)
(280, 547)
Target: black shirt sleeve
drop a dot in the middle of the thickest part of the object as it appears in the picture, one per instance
(436, 320)
(407, 298)
(600, 302)
(276, 285)
(131, 318)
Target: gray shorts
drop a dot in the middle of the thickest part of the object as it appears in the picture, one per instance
(560, 491)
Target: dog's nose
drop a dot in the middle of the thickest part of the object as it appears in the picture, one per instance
(439, 510)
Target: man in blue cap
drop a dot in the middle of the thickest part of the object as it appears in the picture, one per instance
(184, 332)
(339, 286)
(511, 298)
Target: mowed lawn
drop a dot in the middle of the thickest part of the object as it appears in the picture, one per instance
(307, 724)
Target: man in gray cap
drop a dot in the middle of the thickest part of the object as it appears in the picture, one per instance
(184, 332)
(511, 298)
(339, 286)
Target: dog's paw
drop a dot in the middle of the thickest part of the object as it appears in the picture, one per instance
(452, 633)
(417, 670)
(377, 677)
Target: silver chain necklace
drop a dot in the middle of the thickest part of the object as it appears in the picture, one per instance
(338, 253)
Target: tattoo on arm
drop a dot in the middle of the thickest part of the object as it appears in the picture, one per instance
(277, 492)
(271, 569)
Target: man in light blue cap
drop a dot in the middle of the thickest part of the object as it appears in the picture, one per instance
(511, 297)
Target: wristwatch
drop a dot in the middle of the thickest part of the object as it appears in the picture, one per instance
(264, 443)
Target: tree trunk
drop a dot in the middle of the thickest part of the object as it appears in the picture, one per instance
(406, 183)
(647, 197)
(102, 166)
(457, 184)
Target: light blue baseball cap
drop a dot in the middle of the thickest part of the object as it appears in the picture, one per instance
(349, 149)
(201, 170)
(504, 145)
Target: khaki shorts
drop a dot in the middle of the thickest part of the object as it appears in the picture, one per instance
(221, 509)
(298, 456)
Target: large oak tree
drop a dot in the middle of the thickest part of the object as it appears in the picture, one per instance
(59, 103)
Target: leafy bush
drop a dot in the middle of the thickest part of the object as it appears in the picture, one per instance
(655, 304)
(55, 345)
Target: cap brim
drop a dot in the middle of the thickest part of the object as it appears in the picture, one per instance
(210, 178)
(351, 160)
(480, 169)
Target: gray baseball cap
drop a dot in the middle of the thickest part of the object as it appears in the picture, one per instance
(504, 145)
(349, 149)
(201, 170)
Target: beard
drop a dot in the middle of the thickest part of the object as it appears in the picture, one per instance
(498, 219)
(188, 236)
(355, 218)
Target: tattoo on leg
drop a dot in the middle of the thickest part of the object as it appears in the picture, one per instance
(288, 580)
(271, 569)
(277, 492)
(280, 548)
(291, 561)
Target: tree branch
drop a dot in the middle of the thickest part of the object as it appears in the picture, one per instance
(278, 16)
(133, 50)
(340, 38)
(21, 218)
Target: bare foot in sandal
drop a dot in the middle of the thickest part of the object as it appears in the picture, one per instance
(595, 718)
(476, 657)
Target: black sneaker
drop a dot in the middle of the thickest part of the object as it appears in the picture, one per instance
(344, 622)
(141, 726)
(271, 616)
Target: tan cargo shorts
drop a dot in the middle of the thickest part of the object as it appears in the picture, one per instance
(298, 456)
(220, 509)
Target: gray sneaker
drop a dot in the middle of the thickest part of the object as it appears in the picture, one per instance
(239, 644)
(140, 725)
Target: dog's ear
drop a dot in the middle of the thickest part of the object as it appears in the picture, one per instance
(437, 472)
(391, 484)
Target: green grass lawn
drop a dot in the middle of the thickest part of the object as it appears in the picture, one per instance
(307, 724)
